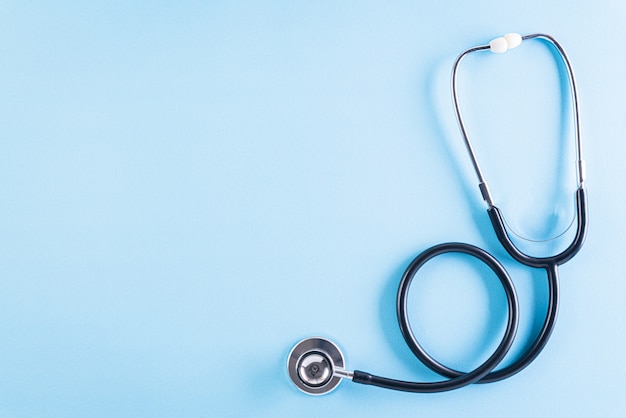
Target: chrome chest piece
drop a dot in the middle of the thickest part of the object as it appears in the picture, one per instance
(315, 366)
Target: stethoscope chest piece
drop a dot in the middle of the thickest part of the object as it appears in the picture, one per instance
(312, 364)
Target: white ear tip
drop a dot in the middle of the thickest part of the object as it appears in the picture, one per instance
(498, 45)
(513, 40)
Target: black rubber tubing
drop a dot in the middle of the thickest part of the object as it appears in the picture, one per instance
(523, 361)
(484, 373)
(456, 379)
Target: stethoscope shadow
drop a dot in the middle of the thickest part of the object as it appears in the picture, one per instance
(532, 287)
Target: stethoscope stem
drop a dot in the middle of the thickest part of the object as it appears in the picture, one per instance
(343, 373)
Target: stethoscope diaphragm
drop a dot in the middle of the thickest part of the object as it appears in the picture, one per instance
(313, 364)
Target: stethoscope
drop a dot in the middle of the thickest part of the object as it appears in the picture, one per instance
(316, 365)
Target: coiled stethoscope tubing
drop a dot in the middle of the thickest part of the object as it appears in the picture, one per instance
(315, 365)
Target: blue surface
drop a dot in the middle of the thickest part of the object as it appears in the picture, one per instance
(189, 188)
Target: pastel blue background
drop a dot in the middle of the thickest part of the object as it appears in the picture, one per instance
(189, 188)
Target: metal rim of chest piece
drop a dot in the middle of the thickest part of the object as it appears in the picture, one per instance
(312, 364)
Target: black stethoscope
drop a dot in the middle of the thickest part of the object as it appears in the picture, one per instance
(316, 365)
